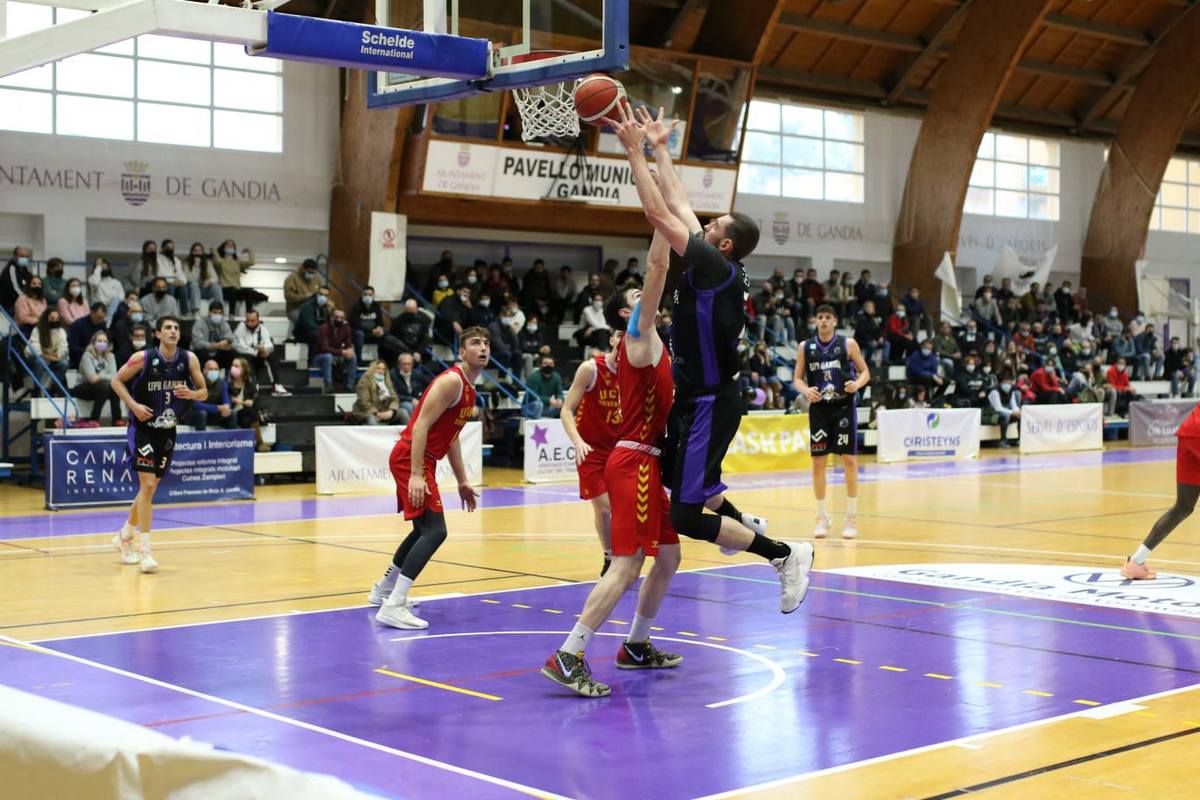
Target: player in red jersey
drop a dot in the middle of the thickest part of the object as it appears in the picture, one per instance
(1187, 491)
(432, 432)
(591, 415)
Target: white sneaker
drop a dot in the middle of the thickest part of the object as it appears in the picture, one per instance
(793, 575)
(280, 390)
(148, 564)
(395, 616)
(850, 529)
(129, 553)
(821, 530)
(379, 596)
(756, 524)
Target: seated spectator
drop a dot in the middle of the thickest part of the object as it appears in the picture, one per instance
(920, 398)
(1046, 388)
(512, 314)
(30, 305)
(159, 303)
(533, 338)
(1118, 379)
(1123, 347)
(901, 343)
(302, 284)
(586, 295)
(218, 408)
(411, 328)
(231, 264)
(376, 401)
(1088, 385)
(884, 302)
(631, 274)
(987, 285)
(72, 305)
(409, 384)
(104, 288)
(252, 341)
(812, 293)
(545, 397)
(312, 314)
(482, 312)
(883, 398)
(915, 307)
(970, 340)
(442, 290)
(212, 336)
(1064, 300)
(15, 277)
(545, 312)
(832, 288)
(987, 309)
(1175, 370)
(1023, 338)
(868, 332)
(845, 295)
(120, 310)
(453, 315)
(473, 279)
(48, 341)
(1005, 402)
(243, 396)
(864, 290)
(1080, 331)
(1111, 328)
(901, 398)
(1029, 302)
(971, 385)
(54, 285)
(593, 329)
(83, 331)
(1186, 375)
(562, 294)
(922, 368)
(144, 270)
(368, 324)
(762, 375)
(1149, 357)
(136, 337)
(203, 283)
(335, 349)
(506, 345)
(497, 285)
(945, 346)
(97, 368)
(171, 268)
(119, 334)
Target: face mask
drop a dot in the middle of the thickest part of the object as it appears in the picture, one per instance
(987, 370)
(1112, 314)
(926, 351)
(902, 395)
(322, 299)
(465, 298)
(901, 314)
(101, 347)
(1053, 351)
(471, 280)
(22, 261)
(507, 320)
(531, 328)
(779, 295)
(151, 253)
(235, 372)
(169, 252)
(310, 275)
(337, 323)
(484, 303)
(213, 375)
(547, 370)
(160, 293)
(1006, 387)
(105, 272)
(443, 284)
(74, 291)
(138, 344)
(368, 299)
(137, 316)
(379, 376)
(55, 323)
(597, 305)
(970, 367)
(217, 319)
(35, 291)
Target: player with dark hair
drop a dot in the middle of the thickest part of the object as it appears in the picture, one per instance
(156, 384)
(431, 434)
(830, 371)
(709, 319)
(1187, 491)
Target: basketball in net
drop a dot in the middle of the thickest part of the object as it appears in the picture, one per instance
(597, 98)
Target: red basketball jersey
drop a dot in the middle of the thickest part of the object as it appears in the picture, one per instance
(1190, 428)
(646, 397)
(445, 429)
(598, 416)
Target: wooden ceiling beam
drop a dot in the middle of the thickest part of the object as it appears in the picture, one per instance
(681, 33)
(1098, 30)
(852, 33)
(935, 42)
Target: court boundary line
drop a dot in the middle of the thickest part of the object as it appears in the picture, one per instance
(866, 762)
(271, 715)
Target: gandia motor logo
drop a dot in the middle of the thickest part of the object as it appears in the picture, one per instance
(932, 421)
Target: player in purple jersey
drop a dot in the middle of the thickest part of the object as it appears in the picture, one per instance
(830, 371)
(156, 384)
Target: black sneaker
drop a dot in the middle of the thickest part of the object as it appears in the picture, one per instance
(574, 673)
(643, 655)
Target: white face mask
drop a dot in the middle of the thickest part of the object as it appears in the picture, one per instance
(74, 291)
(598, 305)
(531, 328)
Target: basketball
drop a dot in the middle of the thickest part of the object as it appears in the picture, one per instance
(596, 98)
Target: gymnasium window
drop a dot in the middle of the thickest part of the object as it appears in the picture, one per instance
(1015, 176)
(801, 151)
(1177, 207)
(149, 89)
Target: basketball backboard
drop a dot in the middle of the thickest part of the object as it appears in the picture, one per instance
(583, 36)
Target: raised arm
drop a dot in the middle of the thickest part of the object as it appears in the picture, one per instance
(631, 134)
(658, 135)
(642, 341)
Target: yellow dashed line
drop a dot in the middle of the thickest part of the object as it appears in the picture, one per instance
(687, 633)
(991, 685)
(810, 655)
(491, 602)
(939, 676)
(1190, 722)
(551, 610)
(520, 605)
(893, 669)
(1036, 693)
(847, 661)
(619, 621)
(1145, 713)
(436, 685)
(656, 628)
(766, 647)
(716, 638)
(1086, 702)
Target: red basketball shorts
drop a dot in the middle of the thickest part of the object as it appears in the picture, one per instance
(1187, 461)
(591, 474)
(400, 463)
(641, 511)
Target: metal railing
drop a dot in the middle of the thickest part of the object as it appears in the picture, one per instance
(16, 345)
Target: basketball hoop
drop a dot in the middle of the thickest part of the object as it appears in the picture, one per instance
(547, 111)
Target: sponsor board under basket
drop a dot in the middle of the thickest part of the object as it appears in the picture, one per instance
(1084, 585)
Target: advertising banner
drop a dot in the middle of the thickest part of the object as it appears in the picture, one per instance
(1155, 423)
(1051, 429)
(769, 443)
(928, 433)
(96, 470)
(549, 453)
(389, 254)
(354, 459)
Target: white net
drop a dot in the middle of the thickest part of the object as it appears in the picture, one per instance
(547, 111)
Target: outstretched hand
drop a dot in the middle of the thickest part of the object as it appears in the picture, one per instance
(628, 129)
(657, 131)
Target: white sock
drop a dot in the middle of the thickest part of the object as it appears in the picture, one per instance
(128, 531)
(1141, 555)
(400, 590)
(389, 577)
(823, 508)
(640, 630)
(577, 641)
(851, 506)
(144, 539)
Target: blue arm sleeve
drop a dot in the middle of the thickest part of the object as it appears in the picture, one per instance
(632, 328)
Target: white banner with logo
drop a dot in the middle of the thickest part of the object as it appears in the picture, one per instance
(1051, 429)
(1086, 585)
(354, 459)
(520, 173)
(928, 433)
(389, 254)
(549, 453)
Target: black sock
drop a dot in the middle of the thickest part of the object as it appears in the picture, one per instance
(727, 509)
(768, 548)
